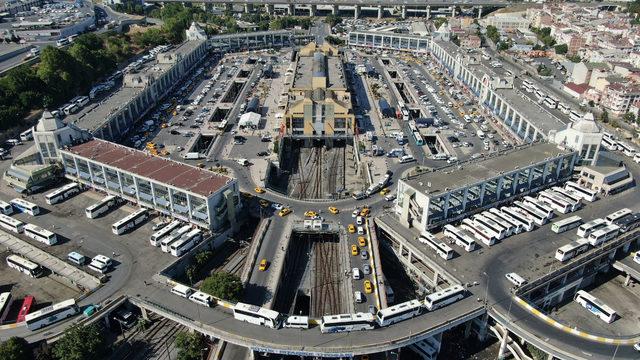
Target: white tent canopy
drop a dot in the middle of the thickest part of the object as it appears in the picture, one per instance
(249, 119)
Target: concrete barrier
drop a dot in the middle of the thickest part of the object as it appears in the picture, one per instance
(256, 244)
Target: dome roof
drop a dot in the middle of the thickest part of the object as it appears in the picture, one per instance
(586, 124)
(48, 122)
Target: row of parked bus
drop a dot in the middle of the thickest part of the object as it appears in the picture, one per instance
(332, 323)
(5, 305)
(610, 143)
(176, 237)
(596, 232)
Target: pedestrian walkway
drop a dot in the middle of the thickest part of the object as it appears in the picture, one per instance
(81, 279)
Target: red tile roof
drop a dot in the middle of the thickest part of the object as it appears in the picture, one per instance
(578, 88)
(162, 170)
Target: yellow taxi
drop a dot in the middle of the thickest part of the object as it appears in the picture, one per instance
(354, 250)
(333, 210)
(284, 212)
(310, 213)
(259, 190)
(368, 288)
(365, 212)
(362, 241)
(263, 265)
(164, 125)
(264, 203)
(384, 191)
(351, 228)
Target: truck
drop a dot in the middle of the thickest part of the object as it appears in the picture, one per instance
(480, 134)
(193, 156)
(243, 162)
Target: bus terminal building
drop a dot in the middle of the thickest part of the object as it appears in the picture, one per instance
(432, 199)
(201, 197)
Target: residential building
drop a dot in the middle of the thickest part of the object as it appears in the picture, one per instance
(608, 180)
(618, 97)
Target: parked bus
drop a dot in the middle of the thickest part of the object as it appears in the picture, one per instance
(507, 226)
(538, 217)
(24, 266)
(443, 250)
(521, 216)
(62, 193)
(587, 228)
(587, 194)
(27, 134)
(444, 297)
(603, 235)
(498, 231)
(540, 95)
(527, 85)
(626, 149)
(5, 208)
(11, 224)
(564, 108)
(561, 205)
(256, 315)
(158, 235)
(566, 224)
(574, 116)
(186, 242)
(25, 308)
(516, 226)
(418, 138)
(101, 207)
(595, 306)
(129, 222)
(550, 102)
(25, 206)
(539, 205)
(223, 125)
(611, 218)
(51, 314)
(609, 144)
(462, 238)
(568, 194)
(628, 223)
(572, 249)
(5, 304)
(400, 312)
(41, 235)
(173, 237)
(479, 232)
(347, 322)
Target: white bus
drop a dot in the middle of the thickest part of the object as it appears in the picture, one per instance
(515, 213)
(51, 314)
(540, 206)
(129, 222)
(27, 134)
(444, 297)
(516, 226)
(569, 194)
(587, 228)
(566, 224)
(556, 202)
(611, 218)
(540, 95)
(498, 231)
(574, 200)
(400, 312)
(296, 322)
(5, 304)
(609, 144)
(443, 250)
(256, 315)
(527, 85)
(11, 224)
(347, 322)
(628, 223)
(597, 307)
(479, 232)
(509, 228)
(572, 249)
(626, 149)
(62, 193)
(587, 194)
(101, 207)
(564, 108)
(550, 102)
(603, 235)
(39, 234)
(222, 125)
(24, 266)
(158, 235)
(461, 237)
(5, 208)
(186, 242)
(25, 206)
(538, 217)
(173, 237)
(574, 116)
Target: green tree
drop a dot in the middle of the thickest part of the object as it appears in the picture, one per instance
(61, 73)
(15, 348)
(504, 45)
(439, 21)
(591, 103)
(190, 345)
(561, 49)
(333, 20)
(493, 34)
(544, 71)
(574, 58)
(80, 343)
(604, 117)
(334, 40)
(223, 285)
(629, 117)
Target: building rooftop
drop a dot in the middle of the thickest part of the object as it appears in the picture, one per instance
(305, 70)
(162, 170)
(453, 177)
(95, 115)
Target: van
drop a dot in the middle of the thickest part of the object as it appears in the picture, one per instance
(76, 258)
(100, 263)
(201, 298)
(192, 156)
(440, 156)
(359, 195)
(6, 208)
(14, 142)
(297, 322)
(515, 279)
(359, 297)
(243, 162)
(406, 159)
(182, 290)
(355, 273)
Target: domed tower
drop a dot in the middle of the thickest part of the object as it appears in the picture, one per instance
(583, 136)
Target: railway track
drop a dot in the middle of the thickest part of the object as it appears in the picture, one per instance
(326, 299)
(152, 343)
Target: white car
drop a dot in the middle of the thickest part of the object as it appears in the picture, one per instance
(355, 213)
(359, 220)
(637, 346)
(277, 206)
